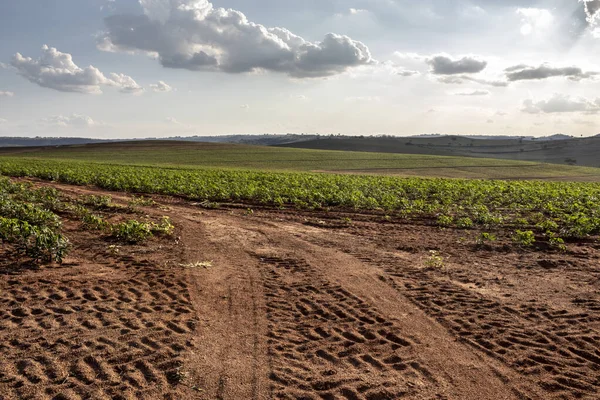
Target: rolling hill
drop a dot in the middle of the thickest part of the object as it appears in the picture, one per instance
(573, 151)
(190, 155)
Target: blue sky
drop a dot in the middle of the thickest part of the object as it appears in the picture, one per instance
(128, 68)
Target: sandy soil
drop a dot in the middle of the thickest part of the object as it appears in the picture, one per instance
(276, 304)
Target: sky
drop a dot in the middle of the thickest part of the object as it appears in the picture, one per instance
(159, 68)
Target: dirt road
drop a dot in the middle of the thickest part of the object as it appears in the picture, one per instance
(275, 304)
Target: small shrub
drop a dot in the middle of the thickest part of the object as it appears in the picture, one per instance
(165, 227)
(132, 231)
(445, 220)
(41, 243)
(547, 225)
(96, 222)
(464, 223)
(524, 238)
(485, 238)
(99, 202)
(556, 242)
(141, 201)
(435, 260)
(521, 222)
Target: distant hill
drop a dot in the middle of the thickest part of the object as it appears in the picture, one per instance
(264, 140)
(554, 149)
(45, 141)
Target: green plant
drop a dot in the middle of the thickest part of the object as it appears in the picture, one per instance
(445, 220)
(165, 227)
(434, 260)
(521, 221)
(485, 238)
(464, 223)
(524, 238)
(41, 243)
(96, 222)
(141, 201)
(556, 242)
(132, 231)
(99, 202)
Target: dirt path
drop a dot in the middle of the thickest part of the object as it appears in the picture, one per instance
(296, 305)
(334, 328)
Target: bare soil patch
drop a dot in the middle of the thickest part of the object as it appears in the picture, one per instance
(285, 304)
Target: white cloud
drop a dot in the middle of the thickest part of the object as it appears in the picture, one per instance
(407, 72)
(560, 103)
(3, 121)
(535, 20)
(544, 71)
(592, 11)
(73, 120)
(6, 94)
(355, 11)
(160, 87)
(125, 83)
(56, 70)
(193, 35)
(245, 106)
(443, 64)
(472, 93)
(460, 79)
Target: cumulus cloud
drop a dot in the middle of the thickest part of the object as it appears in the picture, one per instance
(560, 103)
(592, 11)
(535, 20)
(544, 71)
(160, 87)
(194, 35)
(73, 120)
(472, 93)
(461, 79)
(56, 70)
(125, 83)
(6, 93)
(443, 64)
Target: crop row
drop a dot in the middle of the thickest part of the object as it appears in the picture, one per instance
(27, 222)
(566, 208)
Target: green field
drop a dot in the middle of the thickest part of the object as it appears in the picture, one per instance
(227, 156)
(553, 209)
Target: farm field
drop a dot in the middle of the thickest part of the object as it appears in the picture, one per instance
(267, 303)
(229, 156)
(123, 280)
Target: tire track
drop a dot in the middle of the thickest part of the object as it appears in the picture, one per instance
(95, 338)
(325, 342)
(556, 348)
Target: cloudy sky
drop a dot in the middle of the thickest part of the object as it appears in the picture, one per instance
(138, 68)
